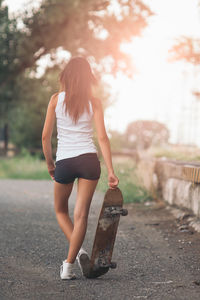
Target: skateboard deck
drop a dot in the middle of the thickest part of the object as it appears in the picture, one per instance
(103, 245)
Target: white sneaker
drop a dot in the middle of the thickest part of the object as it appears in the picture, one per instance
(66, 271)
(83, 261)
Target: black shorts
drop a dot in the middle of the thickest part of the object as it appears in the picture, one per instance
(85, 166)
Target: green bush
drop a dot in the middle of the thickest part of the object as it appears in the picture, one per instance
(131, 188)
(23, 166)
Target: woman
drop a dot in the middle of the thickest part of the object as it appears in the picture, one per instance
(74, 108)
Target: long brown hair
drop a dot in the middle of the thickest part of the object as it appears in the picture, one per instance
(76, 80)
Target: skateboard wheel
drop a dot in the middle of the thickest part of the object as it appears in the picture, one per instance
(124, 212)
(113, 265)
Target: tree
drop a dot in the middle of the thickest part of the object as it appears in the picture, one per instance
(141, 134)
(77, 27)
(8, 42)
(187, 49)
(28, 112)
(90, 28)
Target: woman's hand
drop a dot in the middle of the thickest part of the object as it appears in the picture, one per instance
(51, 170)
(112, 180)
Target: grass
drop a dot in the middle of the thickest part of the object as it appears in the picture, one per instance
(25, 166)
(129, 184)
(177, 153)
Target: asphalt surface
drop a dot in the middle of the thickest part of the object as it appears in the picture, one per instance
(157, 259)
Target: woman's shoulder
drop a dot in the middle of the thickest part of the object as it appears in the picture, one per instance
(54, 99)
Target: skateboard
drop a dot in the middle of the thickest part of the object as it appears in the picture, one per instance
(100, 261)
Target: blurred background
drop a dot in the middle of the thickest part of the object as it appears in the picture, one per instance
(146, 57)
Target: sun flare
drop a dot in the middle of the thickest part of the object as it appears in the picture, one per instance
(160, 90)
(138, 97)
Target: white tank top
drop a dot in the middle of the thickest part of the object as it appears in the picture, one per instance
(73, 139)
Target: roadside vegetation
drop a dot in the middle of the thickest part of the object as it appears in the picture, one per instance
(131, 188)
(25, 166)
(176, 152)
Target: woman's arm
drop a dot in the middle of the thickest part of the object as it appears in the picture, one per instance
(104, 142)
(47, 134)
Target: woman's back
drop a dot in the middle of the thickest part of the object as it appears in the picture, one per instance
(73, 138)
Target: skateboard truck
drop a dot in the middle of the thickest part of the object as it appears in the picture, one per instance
(114, 211)
(112, 265)
(103, 260)
(104, 263)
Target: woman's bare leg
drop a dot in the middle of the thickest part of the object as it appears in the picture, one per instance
(61, 196)
(85, 193)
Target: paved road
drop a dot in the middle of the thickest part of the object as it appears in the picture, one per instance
(155, 259)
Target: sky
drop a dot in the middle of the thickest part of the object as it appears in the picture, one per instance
(160, 90)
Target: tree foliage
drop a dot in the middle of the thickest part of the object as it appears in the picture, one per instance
(26, 119)
(143, 134)
(8, 42)
(90, 28)
(187, 49)
(77, 27)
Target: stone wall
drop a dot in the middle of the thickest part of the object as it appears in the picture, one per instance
(176, 182)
